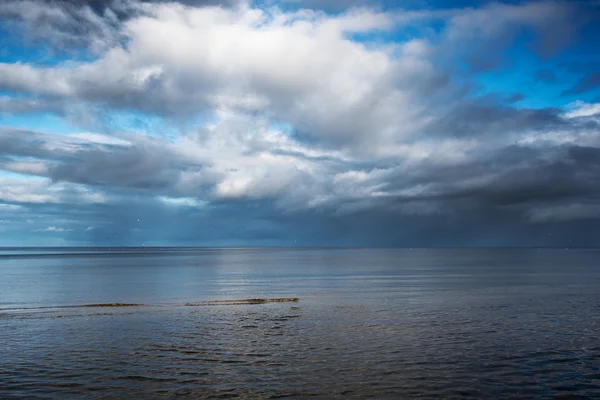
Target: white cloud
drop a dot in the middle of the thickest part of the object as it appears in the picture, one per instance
(27, 167)
(44, 191)
(53, 229)
(296, 67)
(99, 138)
(581, 109)
(181, 202)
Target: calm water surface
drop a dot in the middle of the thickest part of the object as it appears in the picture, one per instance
(369, 323)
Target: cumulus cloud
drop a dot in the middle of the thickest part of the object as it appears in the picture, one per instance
(297, 67)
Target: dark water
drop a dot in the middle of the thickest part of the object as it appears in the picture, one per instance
(378, 323)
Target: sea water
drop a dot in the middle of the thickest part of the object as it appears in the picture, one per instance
(368, 323)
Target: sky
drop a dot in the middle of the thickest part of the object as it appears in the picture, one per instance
(299, 123)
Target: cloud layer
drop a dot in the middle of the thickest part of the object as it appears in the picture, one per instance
(270, 124)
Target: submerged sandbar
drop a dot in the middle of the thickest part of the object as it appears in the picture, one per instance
(244, 301)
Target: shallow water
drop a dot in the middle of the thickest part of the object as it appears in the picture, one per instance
(379, 323)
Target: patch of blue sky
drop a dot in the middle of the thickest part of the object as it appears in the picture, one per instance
(8, 93)
(402, 32)
(42, 122)
(291, 5)
(149, 124)
(281, 126)
(516, 74)
(293, 132)
(434, 4)
(518, 77)
(16, 47)
(19, 176)
(579, 60)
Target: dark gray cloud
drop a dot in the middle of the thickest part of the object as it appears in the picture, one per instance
(523, 176)
(519, 179)
(476, 118)
(130, 167)
(66, 25)
(144, 166)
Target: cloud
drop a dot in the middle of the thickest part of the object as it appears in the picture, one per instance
(284, 122)
(43, 191)
(580, 109)
(14, 106)
(295, 67)
(181, 202)
(68, 24)
(53, 229)
(298, 67)
(541, 158)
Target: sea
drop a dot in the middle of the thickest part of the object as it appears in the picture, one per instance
(349, 323)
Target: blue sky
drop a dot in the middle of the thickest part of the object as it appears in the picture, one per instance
(347, 122)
